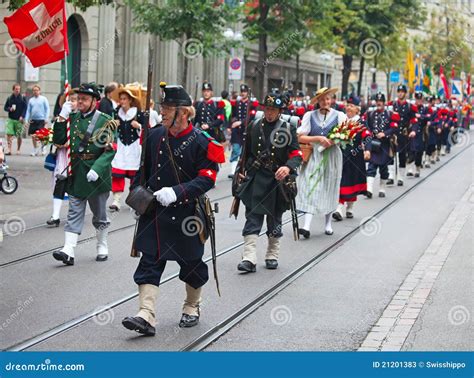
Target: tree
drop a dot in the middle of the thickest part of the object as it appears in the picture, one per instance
(197, 26)
(279, 21)
(393, 55)
(447, 41)
(81, 4)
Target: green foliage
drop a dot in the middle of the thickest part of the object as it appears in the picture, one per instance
(446, 43)
(181, 20)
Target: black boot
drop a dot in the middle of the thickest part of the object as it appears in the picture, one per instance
(139, 325)
(247, 266)
(271, 264)
(390, 182)
(53, 222)
(337, 216)
(64, 257)
(188, 321)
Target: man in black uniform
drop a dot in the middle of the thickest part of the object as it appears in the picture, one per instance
(272, 153)
(407, 114)
(181, 164)
(210, 114)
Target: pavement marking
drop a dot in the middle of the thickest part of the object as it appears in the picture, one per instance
(393, 327)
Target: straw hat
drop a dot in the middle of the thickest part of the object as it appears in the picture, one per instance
(136, 92)
(323, 92)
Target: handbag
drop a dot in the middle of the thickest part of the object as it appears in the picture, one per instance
(140, 198)
(50, 160)
(307, 150)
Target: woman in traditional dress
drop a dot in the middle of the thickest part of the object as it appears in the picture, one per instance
(320, 178)
(354, 175)
(127, 158)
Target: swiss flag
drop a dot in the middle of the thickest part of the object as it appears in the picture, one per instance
(39, 30)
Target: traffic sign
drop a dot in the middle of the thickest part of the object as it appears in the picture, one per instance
(235, 69)
(394, 77)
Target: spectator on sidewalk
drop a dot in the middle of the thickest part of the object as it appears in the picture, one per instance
(16, 108)
(37, 114)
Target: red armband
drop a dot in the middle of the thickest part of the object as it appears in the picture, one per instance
(211, 173)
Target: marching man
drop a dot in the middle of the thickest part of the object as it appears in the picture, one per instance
(272, 153)
(91, 150)
(181, 163)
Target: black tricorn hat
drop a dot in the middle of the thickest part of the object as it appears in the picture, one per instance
(174, 95)
(91, 89)
(418, 95)
(206, 85)
(275, 100)
(380, 97)
(244, 88)
(402, 87)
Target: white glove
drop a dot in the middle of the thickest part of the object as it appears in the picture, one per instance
(66, 110)
(165, 196)
(92, 176)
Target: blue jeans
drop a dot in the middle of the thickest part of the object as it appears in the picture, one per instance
(236, 150)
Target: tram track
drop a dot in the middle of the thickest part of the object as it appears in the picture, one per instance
(80, 242)
(213, 334)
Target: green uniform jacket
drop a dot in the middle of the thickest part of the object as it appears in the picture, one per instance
(260, 192)
(100, 149)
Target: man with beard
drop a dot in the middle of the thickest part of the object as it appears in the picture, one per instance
(181, 164)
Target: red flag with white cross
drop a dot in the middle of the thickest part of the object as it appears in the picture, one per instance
(39, 30)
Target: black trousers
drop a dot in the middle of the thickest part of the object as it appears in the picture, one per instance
(415, 156)
(254, 223)
(150, 270)
(403, 144)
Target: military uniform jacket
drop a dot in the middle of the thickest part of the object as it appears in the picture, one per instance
(385, 122)
(239, 113)
(260, 191)
(211, 113)
(97, 156)
(171, 233)
(407, 113)
(417, 143)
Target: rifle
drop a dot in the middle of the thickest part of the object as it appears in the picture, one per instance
(146, 121)
(239, 174)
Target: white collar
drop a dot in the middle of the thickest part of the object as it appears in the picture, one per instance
(131, 113)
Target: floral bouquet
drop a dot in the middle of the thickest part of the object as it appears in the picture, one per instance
(44, 135)
(344, 134)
